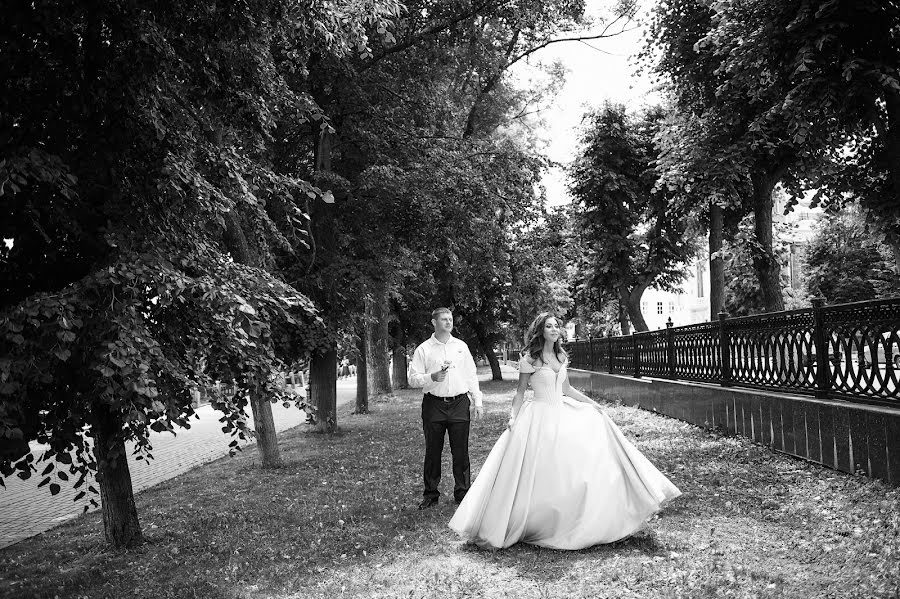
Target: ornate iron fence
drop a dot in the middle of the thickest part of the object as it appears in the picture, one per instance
(844, 351)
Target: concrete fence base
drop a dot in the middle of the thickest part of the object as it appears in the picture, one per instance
(841, 435)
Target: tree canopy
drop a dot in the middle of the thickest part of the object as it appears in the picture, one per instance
(767, 93)
(845, 264)
(631, 235)
(144, 214)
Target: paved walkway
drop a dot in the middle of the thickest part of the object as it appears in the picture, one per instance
(26, 511)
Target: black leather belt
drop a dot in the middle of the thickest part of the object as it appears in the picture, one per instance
(446, 399)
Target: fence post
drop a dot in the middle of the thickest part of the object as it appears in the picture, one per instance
(670, 347)
(823, 369)
(590, 354)
(636, 354)
(610, 346)
(724, 350)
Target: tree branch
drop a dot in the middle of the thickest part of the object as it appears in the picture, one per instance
(494, 79)
(523, 113)
(429, 31)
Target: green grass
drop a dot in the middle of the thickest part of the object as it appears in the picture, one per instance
(340, 520)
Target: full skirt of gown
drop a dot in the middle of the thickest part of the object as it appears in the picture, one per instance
(563, 476)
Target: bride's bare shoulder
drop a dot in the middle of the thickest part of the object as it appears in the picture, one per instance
(526, 364)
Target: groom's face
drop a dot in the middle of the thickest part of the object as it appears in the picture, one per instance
(443, 322)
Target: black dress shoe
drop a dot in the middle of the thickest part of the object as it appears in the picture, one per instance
(428, 502)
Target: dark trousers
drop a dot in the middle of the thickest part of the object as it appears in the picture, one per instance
(451, 417)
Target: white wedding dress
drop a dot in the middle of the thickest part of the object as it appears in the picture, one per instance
(563, 476)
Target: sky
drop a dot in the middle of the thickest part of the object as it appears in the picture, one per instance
(603, 70)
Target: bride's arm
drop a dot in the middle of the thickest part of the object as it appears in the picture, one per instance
(519, 398)
(574, 393)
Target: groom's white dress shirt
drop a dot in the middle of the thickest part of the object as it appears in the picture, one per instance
(462, 377)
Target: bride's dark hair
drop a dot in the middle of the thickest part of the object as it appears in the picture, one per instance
(534, 338)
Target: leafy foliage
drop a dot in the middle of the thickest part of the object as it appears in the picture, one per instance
(742, 293)
(541, 271)
(632, 236)
(433, 173)
(845, 264)
(770, 92)
(841, 90)
(136, 167)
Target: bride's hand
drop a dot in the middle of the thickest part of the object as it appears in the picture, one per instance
(512, 420)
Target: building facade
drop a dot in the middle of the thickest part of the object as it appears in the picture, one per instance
(690, 304)
(801, 224)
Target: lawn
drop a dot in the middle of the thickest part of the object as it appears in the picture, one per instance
(340, 520)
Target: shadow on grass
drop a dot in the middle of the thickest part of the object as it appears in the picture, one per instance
(541, 564)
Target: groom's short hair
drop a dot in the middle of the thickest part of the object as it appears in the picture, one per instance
(438, 311)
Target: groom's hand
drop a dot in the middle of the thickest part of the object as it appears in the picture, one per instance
(439, 376)
(478, 412)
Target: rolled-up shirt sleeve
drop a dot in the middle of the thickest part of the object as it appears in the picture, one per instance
(418, 373)
(472, 378)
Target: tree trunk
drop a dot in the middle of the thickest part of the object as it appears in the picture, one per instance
(486, 347)
(322, 151)
(716, 263)
(632, 299)
(264, 424)
(378, 341)
(399, 378)
(892, 146)
(765, 262)
(362, 380)
(120, 519)
(323, 389)
(399, 365)
(496, 374)
(895, 250)
(892, 143)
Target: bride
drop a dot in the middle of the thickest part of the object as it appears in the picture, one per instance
(562, 475)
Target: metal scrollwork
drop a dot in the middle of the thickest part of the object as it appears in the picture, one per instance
(846, 351)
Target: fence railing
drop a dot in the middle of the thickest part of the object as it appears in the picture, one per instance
(843, 351)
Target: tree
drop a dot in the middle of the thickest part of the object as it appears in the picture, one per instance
(632, 235)
(819, 87)
(704, 185)
(434, 98)
(145, 215)
(696, 175)
(845, 264)
(474, 192)
(540, 260)
(840, 65)
(744, 110)
(743, 295)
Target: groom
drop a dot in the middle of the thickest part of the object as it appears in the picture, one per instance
(444, 368)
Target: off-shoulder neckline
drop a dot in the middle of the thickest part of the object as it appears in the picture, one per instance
(543, 365)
